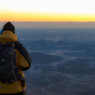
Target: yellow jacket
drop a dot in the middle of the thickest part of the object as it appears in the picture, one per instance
(23, 63)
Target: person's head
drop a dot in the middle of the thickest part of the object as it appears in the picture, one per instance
(9, 26)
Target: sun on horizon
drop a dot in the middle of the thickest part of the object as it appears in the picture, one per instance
(47, 10)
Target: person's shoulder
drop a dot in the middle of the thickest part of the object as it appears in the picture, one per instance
(23, 51)
(18, 45)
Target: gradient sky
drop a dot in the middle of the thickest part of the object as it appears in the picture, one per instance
(47, 10)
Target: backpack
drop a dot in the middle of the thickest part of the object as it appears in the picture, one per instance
(9, 71)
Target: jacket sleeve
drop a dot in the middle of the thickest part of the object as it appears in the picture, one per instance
(24, 59)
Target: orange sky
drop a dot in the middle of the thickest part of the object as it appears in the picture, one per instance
(47, 17)
(48, 10)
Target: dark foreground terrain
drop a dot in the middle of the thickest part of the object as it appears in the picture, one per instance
(63, 61)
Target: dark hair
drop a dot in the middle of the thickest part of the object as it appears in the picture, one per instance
(9, 26)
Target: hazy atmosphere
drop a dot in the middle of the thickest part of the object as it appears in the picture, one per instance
(52, 24)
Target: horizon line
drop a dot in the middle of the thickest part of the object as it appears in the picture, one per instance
(54, 21)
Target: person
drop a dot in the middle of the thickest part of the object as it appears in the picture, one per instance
(23, 62)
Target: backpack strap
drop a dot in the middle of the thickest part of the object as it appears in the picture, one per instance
(11, 44)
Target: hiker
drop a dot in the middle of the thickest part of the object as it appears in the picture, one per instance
(14, 59)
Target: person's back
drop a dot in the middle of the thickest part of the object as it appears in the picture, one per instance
(23, 62)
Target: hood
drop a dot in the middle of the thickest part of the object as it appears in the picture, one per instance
(8, 36)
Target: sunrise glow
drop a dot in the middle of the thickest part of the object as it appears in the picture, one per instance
(47, 10)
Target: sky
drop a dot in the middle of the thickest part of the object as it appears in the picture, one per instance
(47, 10)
